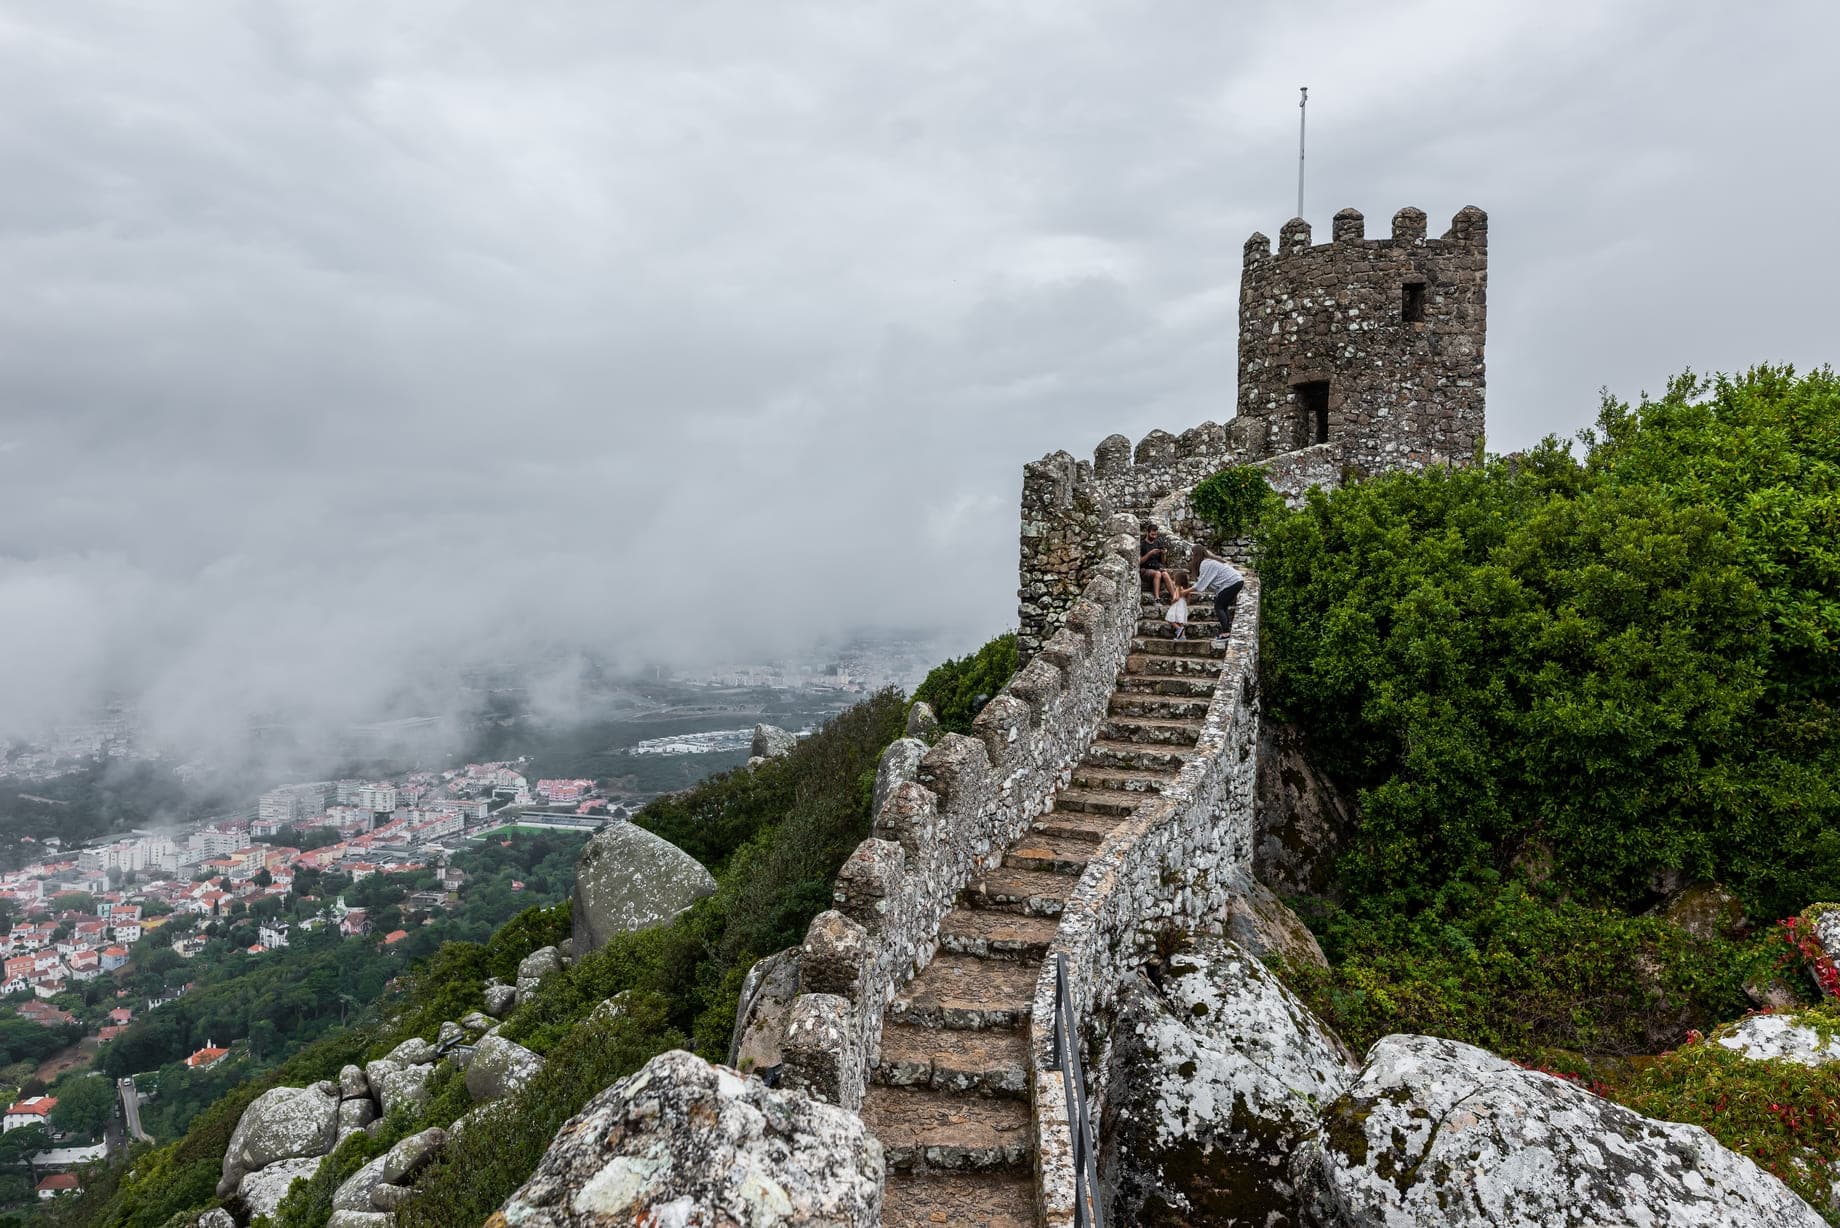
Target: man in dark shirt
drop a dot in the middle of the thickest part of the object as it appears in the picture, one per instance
(1150, 563)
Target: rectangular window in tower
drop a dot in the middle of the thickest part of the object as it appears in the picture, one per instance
(1413, 307)
(1313, 412)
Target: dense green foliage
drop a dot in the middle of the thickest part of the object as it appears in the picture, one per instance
(1631, 662)
(1527, 976)
(954, 687)
(1235, 501)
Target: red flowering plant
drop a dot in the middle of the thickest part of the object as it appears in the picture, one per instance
(1803, 948)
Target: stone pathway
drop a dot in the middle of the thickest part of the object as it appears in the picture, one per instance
(949, 1099)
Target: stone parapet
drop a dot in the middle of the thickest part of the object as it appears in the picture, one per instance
(1166, 867)
(947, 813)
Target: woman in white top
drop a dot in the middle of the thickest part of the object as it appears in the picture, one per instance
(1219, 579)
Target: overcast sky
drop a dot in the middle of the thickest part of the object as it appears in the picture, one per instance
(340, 342)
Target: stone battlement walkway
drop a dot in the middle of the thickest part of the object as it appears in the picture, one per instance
(949, 1098)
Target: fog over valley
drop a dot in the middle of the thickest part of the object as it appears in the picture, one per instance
(347, 351)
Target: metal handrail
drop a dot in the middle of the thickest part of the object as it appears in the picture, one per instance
(1067, 1057)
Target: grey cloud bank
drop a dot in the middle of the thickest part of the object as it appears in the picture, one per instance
(341, 345)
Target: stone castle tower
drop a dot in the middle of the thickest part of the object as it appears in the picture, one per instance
(1356, 357)
(1373, 346)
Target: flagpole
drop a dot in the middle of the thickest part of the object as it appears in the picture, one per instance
(1303, 103)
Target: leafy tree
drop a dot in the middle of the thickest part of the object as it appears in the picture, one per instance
(84, 1105)
(1235, 500)
(954, 688)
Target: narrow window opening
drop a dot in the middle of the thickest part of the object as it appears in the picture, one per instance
(1313, 404)
(1413, 307)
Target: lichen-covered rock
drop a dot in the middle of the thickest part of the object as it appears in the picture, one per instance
(352, 1083)
(1301, 821)
(412, 1052)
(361, 1219)
(628, 879)
(399, 1087)
(499, 1067)
(216, 1217)
(394, 1166)
(1218, 1072)
(922, 721)
(1259, 921)
(685, 1142)
(900, 762)
(1437, 1132)
(542, 962)
(1707, 910)
(261, 1191)
(282, 1123)
(770, 742)
(760, 1017)
(476, 1021)
(355, 1114)
(1765, 1037)
(501, 1000)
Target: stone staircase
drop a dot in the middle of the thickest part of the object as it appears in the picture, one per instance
(949, 1098)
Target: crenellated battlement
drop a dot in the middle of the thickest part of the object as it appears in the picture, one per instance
(1470, 225)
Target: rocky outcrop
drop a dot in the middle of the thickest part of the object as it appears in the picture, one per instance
(1770, 1037)
(379, 1186)
(261, 1192)
(685, 1142)
(1259, 921)
(500, 999)
(1436, 1132)
(760, 1016)
(628, 879)
(499, 1067)
(531, 970)
(770, 742)
(1218, 1073)
(283, 1123)
(922, 722)
(1707, 910)
(1301, 820)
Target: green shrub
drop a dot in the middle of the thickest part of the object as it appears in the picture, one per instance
(1535, 979)
(1633, 660)
(1235, 500)
(952, 688)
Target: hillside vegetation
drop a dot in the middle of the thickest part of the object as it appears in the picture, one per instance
(1561, 686)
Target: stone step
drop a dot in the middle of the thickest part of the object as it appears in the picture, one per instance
(1162, 629)
(1093, 827)
(1001, 1198)
(1146, 665)
(1200, 686)
(990, 1062)
(1118, 802)
(989, 933)
(1172, 707)
(1152, 646)
(1019, 891)
(963, 991)
(1149, 731)
(1144, 781)
(941, 1130)
(1056, 854)
(1132, 756)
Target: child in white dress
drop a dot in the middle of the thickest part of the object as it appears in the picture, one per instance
(1178, 608)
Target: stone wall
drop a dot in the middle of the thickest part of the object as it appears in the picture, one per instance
(944, 814)
(1293, 473)
(1402, 392)
(1168, 866)
(1068, 508)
